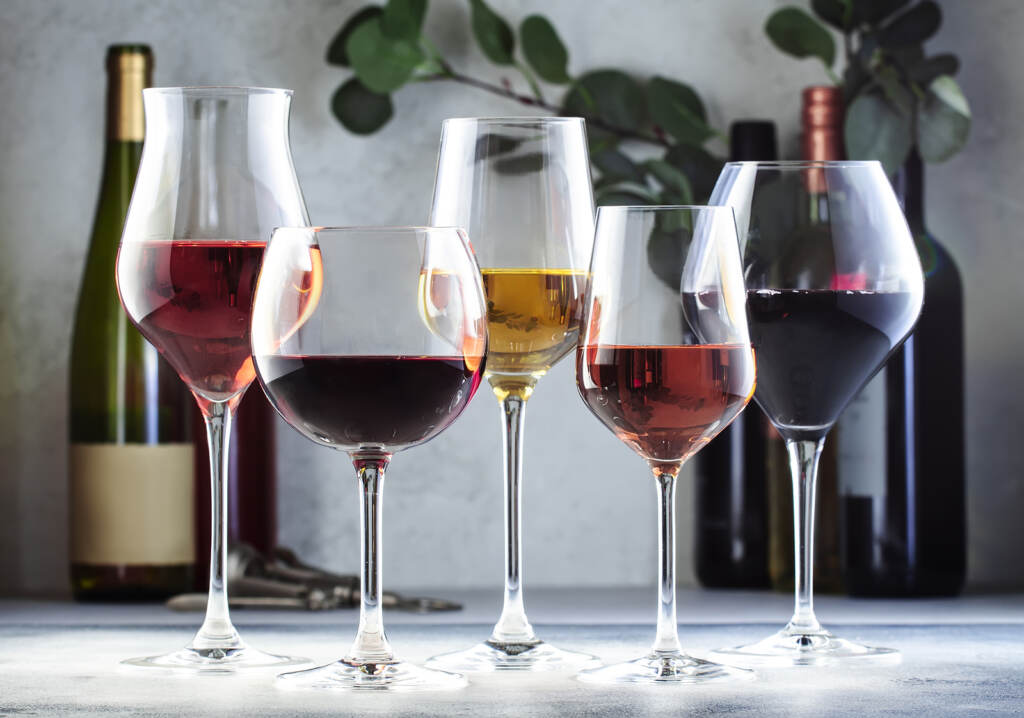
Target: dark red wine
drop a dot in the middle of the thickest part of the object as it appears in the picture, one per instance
(665, 402)
(817, 348)
(192, 300)
(386, 403)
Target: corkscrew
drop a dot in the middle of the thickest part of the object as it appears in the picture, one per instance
(285, 581)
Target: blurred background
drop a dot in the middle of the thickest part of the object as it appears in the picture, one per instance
(588, 501)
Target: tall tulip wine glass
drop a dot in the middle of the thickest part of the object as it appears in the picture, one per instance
(834, 286)
(370, 341)
(665, 363)
(215, 178)
(521, 188)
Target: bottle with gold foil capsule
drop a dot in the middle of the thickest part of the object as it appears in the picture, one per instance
(131, 486)
(821, 139)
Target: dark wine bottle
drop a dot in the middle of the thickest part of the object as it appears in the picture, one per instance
(131, 460)
(821, 120)
(901, 441)
(252, 481)
(731, 541)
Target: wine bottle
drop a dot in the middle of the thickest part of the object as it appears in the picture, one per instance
(131, 458)
(731, 541)
(821, 119)
(901, 442)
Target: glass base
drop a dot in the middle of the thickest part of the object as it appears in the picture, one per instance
(494, 655)
(215, 660)
(790, 647)
(665, 668)
(349, 675)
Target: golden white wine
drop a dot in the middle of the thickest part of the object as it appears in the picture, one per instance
(533, 320)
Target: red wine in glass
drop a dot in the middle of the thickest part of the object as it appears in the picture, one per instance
(665, 402)
(193, 301)
(352, 402)
(817, 348)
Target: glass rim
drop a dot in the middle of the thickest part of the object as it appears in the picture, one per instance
(804, 164)
(367, 229)
(218, 90)
(512, 119)
(662, 207)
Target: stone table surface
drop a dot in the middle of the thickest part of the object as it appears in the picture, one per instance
(961, 657)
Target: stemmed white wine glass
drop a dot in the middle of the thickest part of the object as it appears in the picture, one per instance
(521, 188)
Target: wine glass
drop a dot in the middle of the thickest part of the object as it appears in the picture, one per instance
(215, 178)
(370, 341)
(834, 286)
(521, 188)
(665, 363)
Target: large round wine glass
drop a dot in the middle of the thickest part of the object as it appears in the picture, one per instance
(521, 188)
(665, 363)
(215, 178)
(370, 341)
(834, 286)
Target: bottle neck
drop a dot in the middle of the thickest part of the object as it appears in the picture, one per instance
(909, 186)
(127, 75)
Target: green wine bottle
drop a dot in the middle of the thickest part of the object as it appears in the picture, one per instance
(131, 461)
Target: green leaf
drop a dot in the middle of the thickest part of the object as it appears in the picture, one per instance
(876, 130)
(873, 12)
(522, 164)
(381, 63)
(677, 109)
(544, 50)
(403, 19)
(943, 121)
(608, 95)
(929, 69)
(361, 111)
(913, 27)
(837, 13)
(336, 52)
(666, 254)
(700, 167)
(493, 144)
(798, 34)
(896, 91)
(672, 181)
(614, 164)
(492, 33)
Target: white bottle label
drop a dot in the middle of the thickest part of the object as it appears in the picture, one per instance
(132, 504)
(861, 441)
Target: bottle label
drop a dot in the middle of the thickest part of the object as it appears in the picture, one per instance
(861, 441)
(132, 504)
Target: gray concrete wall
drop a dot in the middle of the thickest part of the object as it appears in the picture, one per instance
(589, 502)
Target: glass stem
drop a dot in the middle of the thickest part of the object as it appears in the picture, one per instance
(217, 631)
(513, 626)
(371, 644)
(667, 640)
(803, 464)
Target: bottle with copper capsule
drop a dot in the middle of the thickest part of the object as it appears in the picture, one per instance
(821, 139)
(131, 499)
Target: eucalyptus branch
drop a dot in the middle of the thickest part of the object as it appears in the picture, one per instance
(531, 80)
(449, 73)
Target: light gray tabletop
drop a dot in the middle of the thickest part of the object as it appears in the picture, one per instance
(961, 657)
